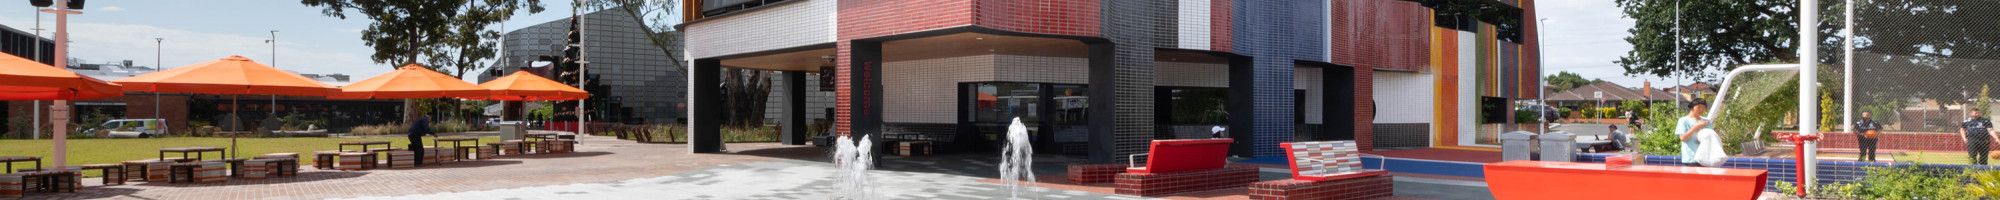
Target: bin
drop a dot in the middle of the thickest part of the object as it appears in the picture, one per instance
(1517, 145)
(1558, 146)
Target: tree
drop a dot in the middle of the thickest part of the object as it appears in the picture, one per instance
(1717, 36)
(1562, 81)
(444, 33)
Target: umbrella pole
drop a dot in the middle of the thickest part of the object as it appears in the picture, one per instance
(235, 122)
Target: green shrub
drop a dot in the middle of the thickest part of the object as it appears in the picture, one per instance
(1985, 184)
(1659, 137)
(1903, 182)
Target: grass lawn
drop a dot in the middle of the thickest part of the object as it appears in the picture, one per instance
(113, 151)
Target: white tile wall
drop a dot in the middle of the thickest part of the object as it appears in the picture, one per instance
(925, 91)
(1468, 80)
(1183, 74)
(1193, 24)
(783, 26)
(1309, 79)
(1403, 97)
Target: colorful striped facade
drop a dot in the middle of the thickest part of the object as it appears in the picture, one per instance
(1381, 72)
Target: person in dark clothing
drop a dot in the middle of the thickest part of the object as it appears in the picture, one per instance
(1977, 133)
(1863, 140)
(419, 128)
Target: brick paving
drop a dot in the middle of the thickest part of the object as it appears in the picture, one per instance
(606, 168)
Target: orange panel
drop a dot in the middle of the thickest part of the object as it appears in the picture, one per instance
(1523, 179)
(1446, 88)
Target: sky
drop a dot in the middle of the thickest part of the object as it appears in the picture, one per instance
(1583, 37)
(195, 31)
(1587, 38)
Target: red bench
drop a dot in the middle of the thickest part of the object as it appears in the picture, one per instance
(1325, 170)
(1176, 166)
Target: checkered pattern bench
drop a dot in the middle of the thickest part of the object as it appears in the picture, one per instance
(1325, 170)
(1177, 166)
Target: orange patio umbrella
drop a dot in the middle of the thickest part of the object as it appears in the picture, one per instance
(23, 79)
(233, 75)
(524, 86)
(409, 82)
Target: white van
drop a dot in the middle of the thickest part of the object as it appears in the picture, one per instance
(131, 128)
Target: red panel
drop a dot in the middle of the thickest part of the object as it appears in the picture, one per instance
(1389, 35)
(873, 18)
(1220, 12)
(1531, 51)
(1564, 180)
(1056, 17)
(1169, 156)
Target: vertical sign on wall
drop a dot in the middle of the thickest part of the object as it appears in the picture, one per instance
(826, 78)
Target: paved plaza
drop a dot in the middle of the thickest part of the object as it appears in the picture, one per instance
(606, 168)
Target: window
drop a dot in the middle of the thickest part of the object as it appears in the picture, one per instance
(1193, 106)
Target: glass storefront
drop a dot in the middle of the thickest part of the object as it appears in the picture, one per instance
(1056, 115)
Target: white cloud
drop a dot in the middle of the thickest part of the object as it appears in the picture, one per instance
(112, 42)
(112, 9)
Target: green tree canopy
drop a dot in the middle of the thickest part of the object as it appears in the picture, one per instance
(1716, 36)
(445, 34)
(1563, 81)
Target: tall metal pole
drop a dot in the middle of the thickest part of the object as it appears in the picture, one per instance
(1808, 77)
(1847, 70)
(1541, 80)
(159, 45)
(60, 111)
(36, 121)
(582, 69)
(274, 64)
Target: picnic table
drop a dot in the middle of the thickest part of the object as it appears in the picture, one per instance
(364, 145)
(455, 141)
(184, 151)
(10, 160)
(456, 146)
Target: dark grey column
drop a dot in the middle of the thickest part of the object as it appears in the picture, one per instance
(795, 109)
(1242, 109)
(1103, 104)
(1337, 103)
(866, 82)
(705, 127)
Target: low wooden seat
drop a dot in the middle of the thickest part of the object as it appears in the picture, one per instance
(354, 161)
(235, 165)
(114, 174)
(280, 155)
(325, 159)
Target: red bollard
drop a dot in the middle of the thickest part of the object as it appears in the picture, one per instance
(1799, 158)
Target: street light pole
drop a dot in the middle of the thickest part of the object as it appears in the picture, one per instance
(159, 46)
(36, 121)
(274, 64)
(582, 69)
(1541, 77)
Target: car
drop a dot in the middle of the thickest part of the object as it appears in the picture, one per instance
(131, 128)
(1549, 113)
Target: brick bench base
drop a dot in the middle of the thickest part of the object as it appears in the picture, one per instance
(1371, 187)
(1094, 173)
(1152, 184)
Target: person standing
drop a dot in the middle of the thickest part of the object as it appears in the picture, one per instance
(1862, 137)
(419, 128)
(1686, 129)
(1977, 133)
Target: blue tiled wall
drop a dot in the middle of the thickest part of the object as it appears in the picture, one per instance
(1274, 34)
(1780, 169)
